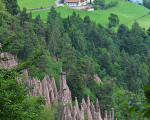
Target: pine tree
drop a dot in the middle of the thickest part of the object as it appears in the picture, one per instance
(76, 84)
(12, 6)
(31, 41)
(24, 16)
(3, 13)
(87, 19)
(14, 102)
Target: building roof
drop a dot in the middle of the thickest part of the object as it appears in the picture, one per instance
(72, 1)
(81, 0)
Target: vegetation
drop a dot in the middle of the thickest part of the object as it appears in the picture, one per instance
(31, 4)
(100, 4)
(14, 103)
(142, 108)
(12, 7)
(126, 16)
(146, 3)
(81, 48)
(113, 20)
(3, 14)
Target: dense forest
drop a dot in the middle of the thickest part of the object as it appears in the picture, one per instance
(81, 48)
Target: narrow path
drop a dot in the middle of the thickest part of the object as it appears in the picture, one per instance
(37, 9)
(44, 8)
(135, 19)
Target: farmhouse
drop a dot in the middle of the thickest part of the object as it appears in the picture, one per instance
(72, 2)
(77, 2)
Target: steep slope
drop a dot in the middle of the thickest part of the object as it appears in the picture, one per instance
(48, 89)
(68, 111)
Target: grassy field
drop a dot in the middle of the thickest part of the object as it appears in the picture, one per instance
(126, 12)
(30, 4)
(145, 22)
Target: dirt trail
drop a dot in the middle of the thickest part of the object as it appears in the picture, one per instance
(135, 19)
(37, 9)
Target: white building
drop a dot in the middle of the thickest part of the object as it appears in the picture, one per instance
(77, 2)
(72, 2)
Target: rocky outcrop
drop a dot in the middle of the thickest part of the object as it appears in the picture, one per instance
(10, 61)
(48, 88)
(64, 92)
(96, 78)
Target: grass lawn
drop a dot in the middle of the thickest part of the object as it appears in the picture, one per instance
(30, 4)
(126, 12)
(144, 22)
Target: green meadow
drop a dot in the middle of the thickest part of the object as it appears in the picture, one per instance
(144, 22)
(31, 4)
(125, 10)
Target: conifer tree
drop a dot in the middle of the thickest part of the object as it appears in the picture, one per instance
(3, 13)
(14, 102)
(12, 6)
(76, 85)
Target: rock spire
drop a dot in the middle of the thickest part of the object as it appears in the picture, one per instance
(10, 61)
(48, 88)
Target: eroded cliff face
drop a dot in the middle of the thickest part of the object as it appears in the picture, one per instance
(48, 88)
(10, 61)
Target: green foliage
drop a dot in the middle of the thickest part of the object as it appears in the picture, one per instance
(3, 14)
(33, 4)
(50, 114)
(111, 4)
(12, 6)
(126, 12)
(87, 19)
(14, 103)
(87, 92)
(113, 20)
(101, 3)
(146, 3)
(24, 16)
(54, 32)
(76, 85)
(81, 48)
(141, 108)
(118, 97)
(85, 117)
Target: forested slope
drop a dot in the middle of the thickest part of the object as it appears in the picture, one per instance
(82, 48)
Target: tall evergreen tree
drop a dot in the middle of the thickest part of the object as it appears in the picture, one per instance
(3, 13)
(12, 6)
(76, 85)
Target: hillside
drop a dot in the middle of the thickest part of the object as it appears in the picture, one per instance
(126, 12)
(31, 4)
(95, 63)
